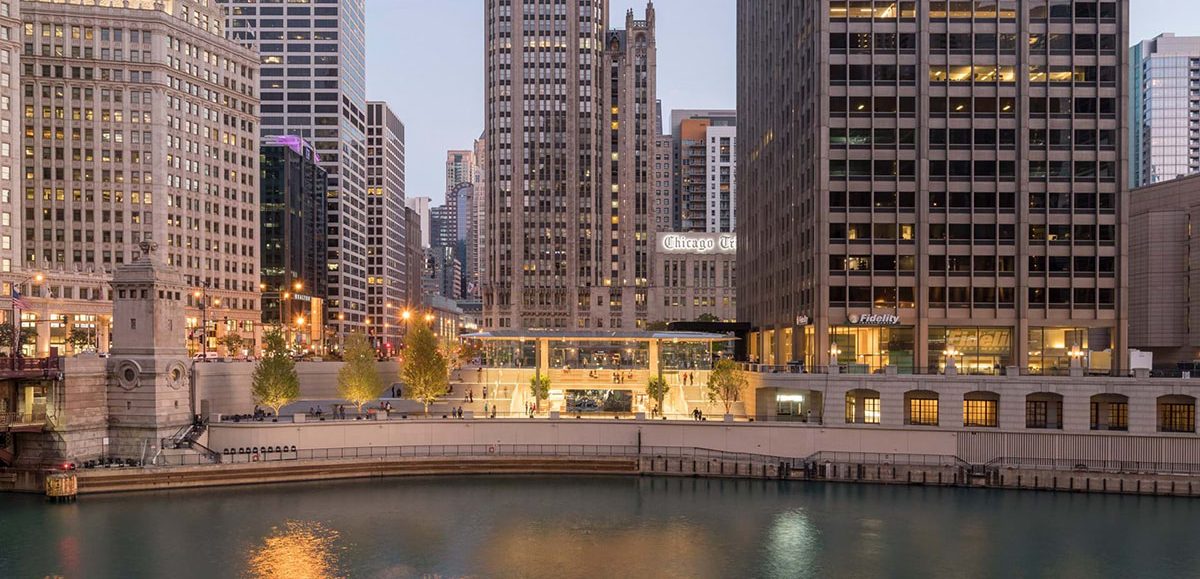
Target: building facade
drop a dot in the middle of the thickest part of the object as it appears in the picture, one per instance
(292, 193)
(1164, 258)
(141, 124)
(703, 143)
(476, 241)
(1162, 71)
(569, 169)
(313, 85)
(926, 183)
(694, 277)
(460, 167)
(421, 206)
(664, 181)
(414, 260)
(386, 256)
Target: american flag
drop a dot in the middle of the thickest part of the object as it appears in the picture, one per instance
(18, 302)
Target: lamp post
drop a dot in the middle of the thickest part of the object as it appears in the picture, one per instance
(202, 295)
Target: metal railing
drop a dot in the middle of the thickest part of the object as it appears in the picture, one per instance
(11, 418)
(1104, 466)
(24, 365)
(874, 458)
(243, 455)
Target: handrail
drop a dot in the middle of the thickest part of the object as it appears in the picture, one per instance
(282, 453)
(887, 458)
(1095, 465)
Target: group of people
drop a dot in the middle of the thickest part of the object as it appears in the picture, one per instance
(458, 412)
(688, 378)
(697, 414)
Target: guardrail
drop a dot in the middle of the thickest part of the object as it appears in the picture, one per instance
(11, 418)
(1104, 466)
(244, 455)
(874, 458)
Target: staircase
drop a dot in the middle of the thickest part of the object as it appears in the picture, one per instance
(187, 437)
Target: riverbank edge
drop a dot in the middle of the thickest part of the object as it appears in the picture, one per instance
(100, 481)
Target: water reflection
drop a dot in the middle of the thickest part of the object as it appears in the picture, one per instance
(300, 550)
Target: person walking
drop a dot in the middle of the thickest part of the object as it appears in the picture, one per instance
(485, 392)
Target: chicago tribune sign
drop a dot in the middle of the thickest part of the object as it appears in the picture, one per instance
(874, 319)
(697, 242)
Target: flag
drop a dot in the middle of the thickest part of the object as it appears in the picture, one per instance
(18, 302)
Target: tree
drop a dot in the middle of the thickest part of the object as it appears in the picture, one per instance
(232, 342)
(80, 339)
(658, 389)
(707, 317)
(6, 336)
(424, 371)
(540, 385)
(725, 383)
(358, 380)
(275, 383)
(657, 326)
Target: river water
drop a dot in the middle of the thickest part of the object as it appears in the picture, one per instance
(541, 526)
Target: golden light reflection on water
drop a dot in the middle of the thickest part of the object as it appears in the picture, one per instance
(299, 550)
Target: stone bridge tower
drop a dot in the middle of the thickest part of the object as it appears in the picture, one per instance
(149, 394)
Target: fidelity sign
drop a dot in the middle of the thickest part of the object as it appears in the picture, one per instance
(874, 319)
(697, 242)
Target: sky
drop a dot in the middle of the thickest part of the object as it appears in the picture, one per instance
(425, 58)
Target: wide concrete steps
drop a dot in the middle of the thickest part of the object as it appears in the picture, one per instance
(115, 480)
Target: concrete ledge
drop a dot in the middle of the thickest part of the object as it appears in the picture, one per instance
(121, 480)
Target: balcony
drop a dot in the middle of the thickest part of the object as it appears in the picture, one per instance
(26, 368)
(22, 422)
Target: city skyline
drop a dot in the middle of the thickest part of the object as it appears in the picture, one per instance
(696, 70)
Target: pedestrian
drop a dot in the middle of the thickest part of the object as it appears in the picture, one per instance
(485, 392)
(485, 408)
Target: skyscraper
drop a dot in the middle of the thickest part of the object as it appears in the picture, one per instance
(704, 146)
(1163, 128)
(421, 206)
(142, 125)
(928, 180)
(387, 291)
(292, 197)
(664, 184)
(459, 168)
(313, 85)
(570, 126)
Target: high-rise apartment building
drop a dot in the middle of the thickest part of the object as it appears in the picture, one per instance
(141, 123)
(421, 205)
(313, 85)
(11, 209)
(933, 179)
(414, 262)
(476, 232)
(570, 126)
(460, 166)
(386, 256)
(292, 242)
(704, 148)
(1164, 140)
(443, 224)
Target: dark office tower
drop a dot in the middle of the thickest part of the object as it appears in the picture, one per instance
(931, 179)
(570, 126)
(292, 190)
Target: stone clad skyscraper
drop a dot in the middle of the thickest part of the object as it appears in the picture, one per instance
(313, 85)
(931, 179)
(386, 254)
(570, 126)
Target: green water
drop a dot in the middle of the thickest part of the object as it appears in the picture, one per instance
(598, 527)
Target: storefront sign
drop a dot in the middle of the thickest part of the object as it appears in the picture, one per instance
(802, 320)
(697, 242)
(874, 320)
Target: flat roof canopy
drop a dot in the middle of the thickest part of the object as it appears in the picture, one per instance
(598, 335)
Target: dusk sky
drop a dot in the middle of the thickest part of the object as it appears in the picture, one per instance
(426, 59)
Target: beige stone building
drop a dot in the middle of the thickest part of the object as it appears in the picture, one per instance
(933, 179)
(139, 122)
(694, 277)
(570, 127)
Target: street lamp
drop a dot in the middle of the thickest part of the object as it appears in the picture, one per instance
(202, 295)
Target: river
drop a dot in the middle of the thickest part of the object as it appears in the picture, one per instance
(574, 526)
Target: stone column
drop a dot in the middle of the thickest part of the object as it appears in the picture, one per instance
(102, 329)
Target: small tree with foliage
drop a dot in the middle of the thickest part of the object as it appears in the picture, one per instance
(657, 326)
(232, 342)
(658, 389)
(707, 317)
(24, 336)
(725, 383)
(358, 380)
(424, 371)
(275, 383)
(80, 339)
(540, 386)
